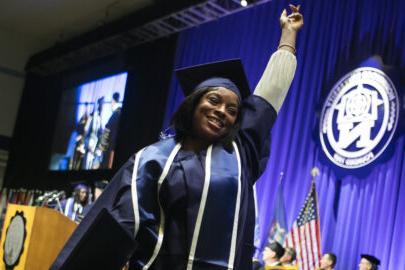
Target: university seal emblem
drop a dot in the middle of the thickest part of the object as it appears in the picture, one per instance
(359, 118)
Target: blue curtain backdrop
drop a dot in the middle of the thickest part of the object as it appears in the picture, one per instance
(360, 212)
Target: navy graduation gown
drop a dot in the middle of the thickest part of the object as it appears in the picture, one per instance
(180, 197)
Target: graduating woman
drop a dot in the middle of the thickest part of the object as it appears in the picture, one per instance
(186, 202)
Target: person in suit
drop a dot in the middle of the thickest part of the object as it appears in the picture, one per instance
(107, 142)
(289, 257)
(273, 253)
(328, 261)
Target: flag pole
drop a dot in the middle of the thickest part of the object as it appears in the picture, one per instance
(315, 173)
(305, 234)
(281, 176)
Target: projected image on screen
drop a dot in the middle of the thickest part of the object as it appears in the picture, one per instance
(87, 125)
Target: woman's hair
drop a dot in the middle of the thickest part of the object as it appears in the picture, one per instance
(182, 120)
(76, 194)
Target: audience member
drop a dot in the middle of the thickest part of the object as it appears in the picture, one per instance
(328, 261)
(289, 257)
(272, 254)
(74, 206)
(368, 262)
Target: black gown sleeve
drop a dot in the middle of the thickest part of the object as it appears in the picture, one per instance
(104, 239)
(258, 117)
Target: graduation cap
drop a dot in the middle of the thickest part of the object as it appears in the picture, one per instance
(372, 259)
(79, 186)
(228, 74)
(277, 248)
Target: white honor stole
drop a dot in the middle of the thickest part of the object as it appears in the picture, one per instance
(215, 231)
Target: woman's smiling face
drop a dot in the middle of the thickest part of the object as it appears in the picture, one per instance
(215, 114)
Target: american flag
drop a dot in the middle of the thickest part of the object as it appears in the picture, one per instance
(305, 235)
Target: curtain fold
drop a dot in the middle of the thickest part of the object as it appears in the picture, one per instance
(360, 212)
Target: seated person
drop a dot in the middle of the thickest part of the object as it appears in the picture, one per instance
(99, 187)
(368, 262)
(328, 261)
(272, 254)
(74, 206)
(289, 257)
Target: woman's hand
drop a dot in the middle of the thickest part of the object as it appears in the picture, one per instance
(289, 27)
(292, 22)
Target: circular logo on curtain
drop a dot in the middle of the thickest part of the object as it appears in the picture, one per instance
(359, 118)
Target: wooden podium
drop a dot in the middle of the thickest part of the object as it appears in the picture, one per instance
(32, 237)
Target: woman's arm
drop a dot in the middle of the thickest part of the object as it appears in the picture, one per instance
(277, 77)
